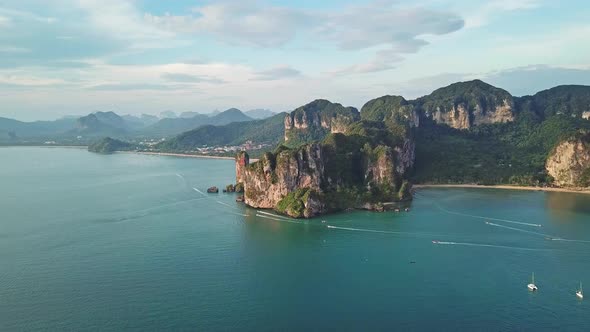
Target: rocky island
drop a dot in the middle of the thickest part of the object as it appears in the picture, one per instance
(327, 157)
(358, 163)
(335, 157)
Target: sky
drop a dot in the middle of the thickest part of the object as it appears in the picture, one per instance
(74, 57)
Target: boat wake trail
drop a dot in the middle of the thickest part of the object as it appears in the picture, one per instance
(138, 214)
(380, 231)
(362, 230)
(233, 207)
(200, 192)
(518, 229)
(486, 245)
(487, 218)
(568, 240)
(274, 215)
(277, 219)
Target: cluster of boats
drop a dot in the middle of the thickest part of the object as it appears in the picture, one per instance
(533, 288)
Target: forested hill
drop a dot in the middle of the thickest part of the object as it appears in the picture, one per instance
(467, 132)
(510, 152)
(269, 131)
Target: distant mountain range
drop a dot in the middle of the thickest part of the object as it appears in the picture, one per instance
(99, 124)
(260, 113)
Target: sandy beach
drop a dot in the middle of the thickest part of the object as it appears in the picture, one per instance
(548, 189)
(182, 155)
(176, 155)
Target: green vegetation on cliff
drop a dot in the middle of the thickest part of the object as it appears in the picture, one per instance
(109, 145)
(470, 93)
(569, 100)
(312, 122)
(294, 203)
(269, 131)
(509, 153)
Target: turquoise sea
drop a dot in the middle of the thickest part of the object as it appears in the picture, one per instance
(129, 242)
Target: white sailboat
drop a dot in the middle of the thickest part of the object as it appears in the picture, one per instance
(580, 292)
(532, 287)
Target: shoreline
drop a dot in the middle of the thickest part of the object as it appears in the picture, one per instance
(181, 155)
(170, 154)
(503, 186)
(46, 146)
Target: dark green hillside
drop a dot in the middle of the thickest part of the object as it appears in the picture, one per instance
(571, 100)
(470, 93)
(512, 153)
(175, 126)
(312, 122)
(109, 145)
(268, 131)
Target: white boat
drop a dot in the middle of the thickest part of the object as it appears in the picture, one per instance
(580, 292)
(532, 287)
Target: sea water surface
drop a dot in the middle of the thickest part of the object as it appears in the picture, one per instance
(131, 242)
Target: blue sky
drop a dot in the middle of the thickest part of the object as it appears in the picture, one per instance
(64, 57)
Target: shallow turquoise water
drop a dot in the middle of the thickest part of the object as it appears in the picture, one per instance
(93, 242)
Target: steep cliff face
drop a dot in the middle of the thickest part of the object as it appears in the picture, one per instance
(405, 156)
(342, 172)
(391, 110)
(274, 176)
(569, 163)
(467, 104)
(242, 161)
(315, 120)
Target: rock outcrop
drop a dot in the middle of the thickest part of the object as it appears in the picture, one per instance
(242, 160)
(467, 104)
(405, 156)
(569, 162)
(315, 120)
(335, 175)
(391, 110)
(274, 176)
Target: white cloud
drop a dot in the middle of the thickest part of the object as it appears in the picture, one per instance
(5, 21)
(120, 18)
(386, 23)
(276, 73)
(188, 78)
(238, 22)
(27, 15)
(29, 81)
(13, 49)
(484, 14)
(378, 24)
(383, 60)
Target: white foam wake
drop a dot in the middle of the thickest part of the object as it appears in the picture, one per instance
(487, 246)
(517, 229)
(274, 215)
(569, 240)
(277, 219)
(488, 218)
(200, 192)
(379, 231)
(222, 203)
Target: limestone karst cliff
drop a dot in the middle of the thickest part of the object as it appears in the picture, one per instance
(315, 120)
(364, 169)
(467, 104)
(569, 162)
